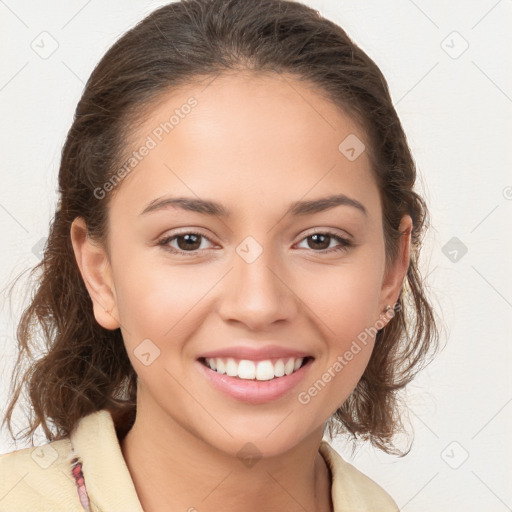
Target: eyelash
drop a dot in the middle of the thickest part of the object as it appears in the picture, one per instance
(345, 243)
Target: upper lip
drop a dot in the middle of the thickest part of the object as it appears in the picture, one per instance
(255, 353)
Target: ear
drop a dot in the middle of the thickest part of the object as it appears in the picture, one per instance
(395, 274)
(95, 268)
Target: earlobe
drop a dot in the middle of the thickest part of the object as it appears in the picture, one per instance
(396, 274)
(96, 272)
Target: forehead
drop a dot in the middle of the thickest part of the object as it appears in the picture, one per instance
(246, 138)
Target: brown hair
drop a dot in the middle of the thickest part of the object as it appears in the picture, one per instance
(85, 367)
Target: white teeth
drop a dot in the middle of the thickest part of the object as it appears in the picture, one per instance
(231, 368)
(279, 368)
(250, 370)
(289, 366)
(220, 366)
(264, 370)
(246, 369)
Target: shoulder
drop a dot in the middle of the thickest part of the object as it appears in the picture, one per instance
(83, 472)
(38, 478)
(352, 490)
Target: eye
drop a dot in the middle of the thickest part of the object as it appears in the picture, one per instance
(187, 242)
(191, 242)
(322, 240)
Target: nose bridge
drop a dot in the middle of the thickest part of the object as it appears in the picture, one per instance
(255, 293)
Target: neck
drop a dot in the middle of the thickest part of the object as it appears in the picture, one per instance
(172, 469)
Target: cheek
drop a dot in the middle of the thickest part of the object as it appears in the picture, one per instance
(159, 300)
(346, 312)
(345, 298)
(358, 302)
(345, 302)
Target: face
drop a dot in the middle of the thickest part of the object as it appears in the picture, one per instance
(264, 277)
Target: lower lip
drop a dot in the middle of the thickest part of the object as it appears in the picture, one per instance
(255, 391)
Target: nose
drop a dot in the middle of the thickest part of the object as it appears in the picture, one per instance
(258, 294)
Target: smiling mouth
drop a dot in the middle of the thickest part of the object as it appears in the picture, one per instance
(263, 370)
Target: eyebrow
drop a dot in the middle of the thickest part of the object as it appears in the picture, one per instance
(207, 207)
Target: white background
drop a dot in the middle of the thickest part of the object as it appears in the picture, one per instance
(457, 115)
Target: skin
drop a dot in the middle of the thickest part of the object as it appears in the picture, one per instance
(255, 144)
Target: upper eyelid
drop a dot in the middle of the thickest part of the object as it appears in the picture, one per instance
(334, 231)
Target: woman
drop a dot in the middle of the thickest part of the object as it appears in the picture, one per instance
(224, 277)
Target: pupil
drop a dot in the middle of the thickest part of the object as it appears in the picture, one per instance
(325, 237)
(188, 238)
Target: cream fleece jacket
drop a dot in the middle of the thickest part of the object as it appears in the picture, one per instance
(87, 471)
